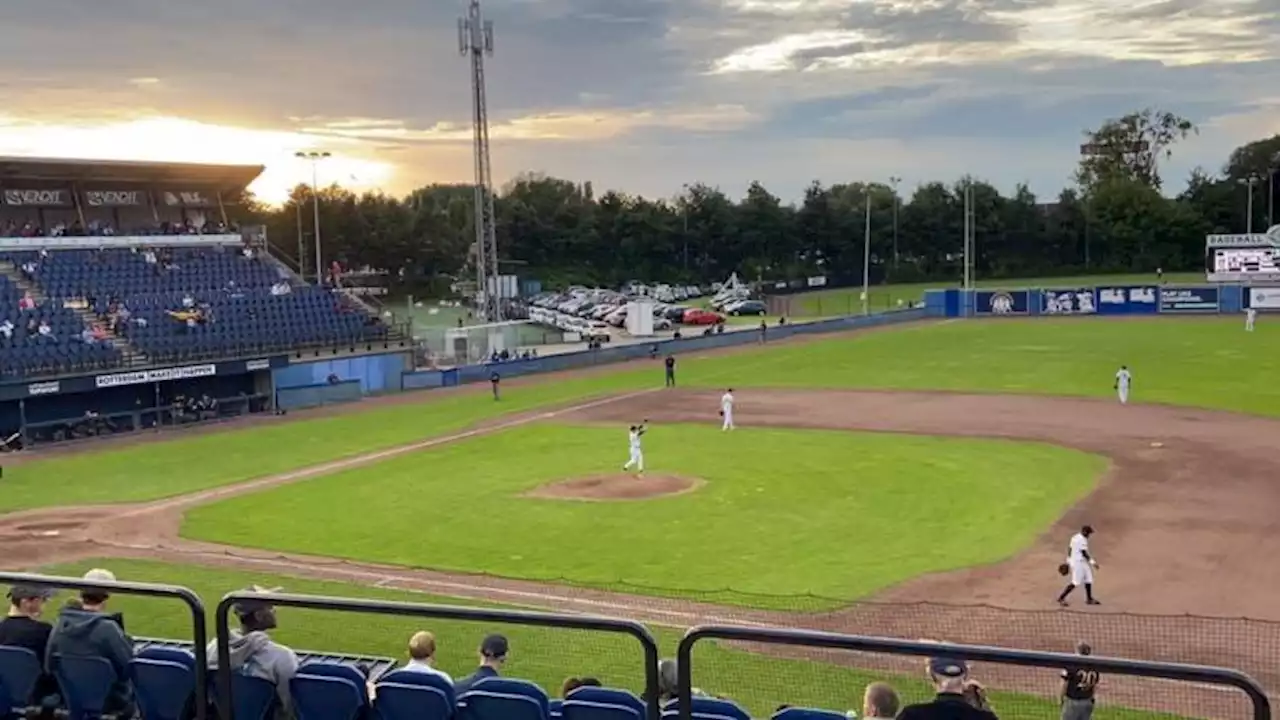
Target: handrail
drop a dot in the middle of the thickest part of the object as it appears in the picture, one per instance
(980, 653)
(426, 610)
(199, 630)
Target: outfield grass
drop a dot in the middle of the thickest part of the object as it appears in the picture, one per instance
(544, 656)
(818, 512)
(848, 300)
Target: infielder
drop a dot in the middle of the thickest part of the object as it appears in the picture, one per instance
(1250, 317)
(1123, 380)
(1080, 566)
(726, 409)
(637, 455)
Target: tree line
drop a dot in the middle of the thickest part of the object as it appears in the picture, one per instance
(1113, 218)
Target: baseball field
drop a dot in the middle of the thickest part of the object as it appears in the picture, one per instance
(914, 481)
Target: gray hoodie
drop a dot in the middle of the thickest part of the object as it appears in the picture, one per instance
(255, 654)
(84, 633)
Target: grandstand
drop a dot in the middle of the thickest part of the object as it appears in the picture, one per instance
(111, 266)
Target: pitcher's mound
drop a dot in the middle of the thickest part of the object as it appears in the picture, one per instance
(604, 488)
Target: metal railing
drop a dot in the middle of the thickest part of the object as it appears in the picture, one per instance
(978, 653)
(424, 610)
(199, 630)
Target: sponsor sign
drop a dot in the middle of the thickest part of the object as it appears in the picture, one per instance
(252, 365)
(1067, 302)
(149, 376)
(818, 281)
(1270, 237)
(188, 198)
(38, 198)
(114, 198)
(1189, 300)
(1001, 302)
(1267, 298)
(1139, 300)
(44, 388)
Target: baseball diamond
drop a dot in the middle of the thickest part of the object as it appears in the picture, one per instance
(1178, 553)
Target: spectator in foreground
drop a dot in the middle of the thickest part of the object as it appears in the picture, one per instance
(574, 683)
(1079, 685)
(255, 654)
(85, 629)
(493, 655)
(669, 682)
(23, 628)
(880, 702)
(422, 655)
(948, 676)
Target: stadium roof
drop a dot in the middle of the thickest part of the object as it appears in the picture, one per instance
(223, 177)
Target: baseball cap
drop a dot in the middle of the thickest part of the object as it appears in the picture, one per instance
(251, 606)
(947, 667)
(494, 646)
(30, 592)
(99, 575)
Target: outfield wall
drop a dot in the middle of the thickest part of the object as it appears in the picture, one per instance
(1102, 300)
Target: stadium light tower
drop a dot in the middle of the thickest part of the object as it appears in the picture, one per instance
(1249, 183)
(475, 40)
(315, 158)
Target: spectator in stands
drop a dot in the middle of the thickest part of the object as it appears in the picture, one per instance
(23, 628)
(668, 682)
(574, 683)
(44, 330)
(422, 655)
(880, 702)
(86, 629)
(254, 653)
(188, 302)
(6, 329)
(493, 655)
(29, 269)
(26, 302)
(948, 676)
(1079, 686)
(33, 326)
(86, 336)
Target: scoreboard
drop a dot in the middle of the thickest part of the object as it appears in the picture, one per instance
(1243, 258)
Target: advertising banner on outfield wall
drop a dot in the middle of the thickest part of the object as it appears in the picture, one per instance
(1189, 300)
(1129, 300)
(1067, 302)
(1001, 302)
(1265, 299)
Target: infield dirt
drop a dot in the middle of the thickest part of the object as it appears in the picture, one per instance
(1187, 527)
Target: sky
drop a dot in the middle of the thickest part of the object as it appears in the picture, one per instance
(642, 96)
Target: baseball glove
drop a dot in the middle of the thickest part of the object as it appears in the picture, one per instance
(1064, 569)
(721, 413)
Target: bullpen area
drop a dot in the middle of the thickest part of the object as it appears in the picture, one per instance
(917, 481)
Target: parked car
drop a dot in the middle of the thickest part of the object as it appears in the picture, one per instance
(675, 313)
(746, 307)
(698, 316)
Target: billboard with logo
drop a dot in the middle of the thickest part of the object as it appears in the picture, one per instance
(1128, 300)
(1068, 302)
(115, 198)
(1264, 299)
(19, 197)
(1189, 299)
(188, 198)
(1001, 302)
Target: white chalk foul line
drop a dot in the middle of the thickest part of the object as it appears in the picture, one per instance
(367, 458)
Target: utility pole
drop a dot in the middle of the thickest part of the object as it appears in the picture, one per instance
(894, 180)
(475, 40)
(866, 258)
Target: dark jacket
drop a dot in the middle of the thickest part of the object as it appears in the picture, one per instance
(484, 672)
(83, 633)
(946, 706)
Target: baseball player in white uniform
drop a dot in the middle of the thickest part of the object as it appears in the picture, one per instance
(637, 454)
(1250, 317)
(1123, 380)
(726, 409)
(1080, 565)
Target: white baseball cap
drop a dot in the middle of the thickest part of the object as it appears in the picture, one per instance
(100, 575)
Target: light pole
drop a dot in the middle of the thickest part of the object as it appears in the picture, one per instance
(684, 214)
(1272, 169)
(1249, 182)
(866, 258)
(302, 250)
(315, 158)
(894, 180)
(968, 233)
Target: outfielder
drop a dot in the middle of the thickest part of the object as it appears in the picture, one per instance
(637, 455)
(726, 409)
(1250, 317)
(1080, 566)
(1123, 380)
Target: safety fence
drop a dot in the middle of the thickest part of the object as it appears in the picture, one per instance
(757, 666)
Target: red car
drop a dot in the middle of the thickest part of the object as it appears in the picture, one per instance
(698, 316)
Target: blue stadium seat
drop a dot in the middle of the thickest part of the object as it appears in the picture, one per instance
(504, 699)
(407, 695)
(19, 671)
(556, 709)
(705, 708)
(163, 687)
(254, 698)
(593, 703)
(808, 714)
(86, 684)
(328, 691)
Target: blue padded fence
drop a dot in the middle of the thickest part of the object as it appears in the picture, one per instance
(309, 396)
(1102, 300)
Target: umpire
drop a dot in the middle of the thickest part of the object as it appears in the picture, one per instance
(1079, 684)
